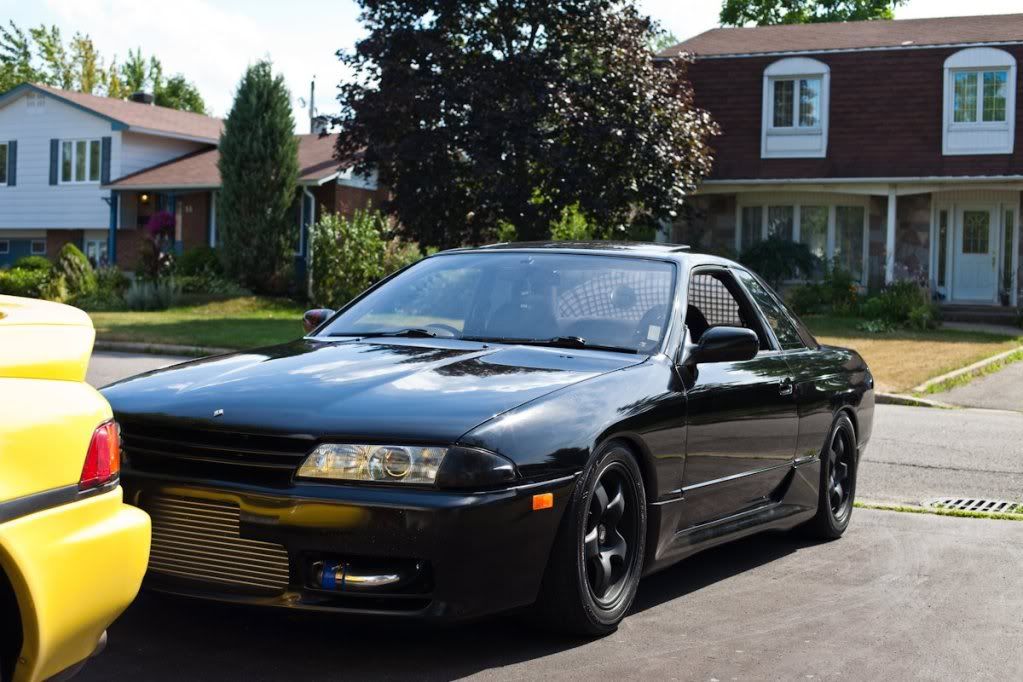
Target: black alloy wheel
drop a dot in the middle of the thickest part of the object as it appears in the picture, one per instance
(838, 462)
(597, 558)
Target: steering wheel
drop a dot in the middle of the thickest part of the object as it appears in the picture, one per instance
(452, 332)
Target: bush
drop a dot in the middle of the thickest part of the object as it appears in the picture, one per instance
(347, 256)
(777, 259)
(23, 282)
(146, 295)
(572, 226)
(74, 267)
(56, 289)
(399, 254)
(111, 281)
(198, 262)
(33, 263)
(211, 285)
(924, 317)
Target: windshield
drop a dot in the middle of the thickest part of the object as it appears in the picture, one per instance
(548, 298)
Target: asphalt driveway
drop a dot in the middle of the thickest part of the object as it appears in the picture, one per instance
(901, 596)
(1002, 390)
(106, 367)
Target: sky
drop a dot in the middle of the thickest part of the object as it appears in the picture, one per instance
(212, 41)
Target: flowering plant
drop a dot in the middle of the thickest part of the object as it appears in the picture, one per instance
(160, 223)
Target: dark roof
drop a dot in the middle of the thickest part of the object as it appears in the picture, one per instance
(853, 35)
(135, 116)
(316, 165)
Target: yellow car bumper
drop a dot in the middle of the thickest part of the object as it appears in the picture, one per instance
(74, 569)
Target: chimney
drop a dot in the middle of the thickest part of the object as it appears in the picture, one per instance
(141, 97)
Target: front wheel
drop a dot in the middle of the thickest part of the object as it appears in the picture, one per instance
(597, 558)
(837, 489)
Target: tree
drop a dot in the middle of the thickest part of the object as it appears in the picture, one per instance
(768, 12)
(59, 70)
(178, 93)
(479, 113)
(135, 71)
(16, 64)
(87, 65)
(662, 40)
(258, 169)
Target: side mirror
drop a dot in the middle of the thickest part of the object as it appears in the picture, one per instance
(725, 344)
(315, 317)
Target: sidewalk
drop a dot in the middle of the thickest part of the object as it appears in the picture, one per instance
(1002, 390)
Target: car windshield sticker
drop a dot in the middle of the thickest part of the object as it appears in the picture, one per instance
(653, 332)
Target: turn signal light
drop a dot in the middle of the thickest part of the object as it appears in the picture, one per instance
(543, 501)
(103, 460)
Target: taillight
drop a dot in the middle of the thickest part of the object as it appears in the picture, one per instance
(103, 460)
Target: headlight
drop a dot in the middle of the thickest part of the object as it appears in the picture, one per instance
(453, 467)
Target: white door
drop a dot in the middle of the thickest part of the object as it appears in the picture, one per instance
(976, 254)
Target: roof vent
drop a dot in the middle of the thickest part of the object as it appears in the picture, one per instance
(141, 97)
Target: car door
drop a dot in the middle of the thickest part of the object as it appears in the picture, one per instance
(814, 379)
(741, 416)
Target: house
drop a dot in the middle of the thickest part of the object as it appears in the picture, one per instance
(91, 171)
(890, 146)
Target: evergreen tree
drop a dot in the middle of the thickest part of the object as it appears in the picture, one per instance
(258, 169)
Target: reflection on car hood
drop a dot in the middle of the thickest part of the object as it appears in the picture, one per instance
(405, 389)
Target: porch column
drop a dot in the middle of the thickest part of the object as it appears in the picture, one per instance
(889, 249)
(112, 234)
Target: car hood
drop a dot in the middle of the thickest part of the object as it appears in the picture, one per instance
(432, 390)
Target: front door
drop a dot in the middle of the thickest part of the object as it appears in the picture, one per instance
(976, 255)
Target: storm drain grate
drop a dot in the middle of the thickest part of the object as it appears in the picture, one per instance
(977, 504)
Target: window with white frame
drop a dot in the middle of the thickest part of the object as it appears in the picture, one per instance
(3, 163)
(795, 116)
(834, 231)
(79, 161)
(96, 252)
(980, 102)
(38, 247)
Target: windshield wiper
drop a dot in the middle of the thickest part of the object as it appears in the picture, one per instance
(555, 342)
(410, 332)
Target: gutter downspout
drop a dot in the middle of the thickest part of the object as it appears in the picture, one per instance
(307, 227)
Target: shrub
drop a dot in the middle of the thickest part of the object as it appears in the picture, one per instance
(76, 270)
(572, 226)
(397, 254)
(33, 263)
(347, 256)
(111, 281)
(807, 298)
(898, 300)
(924, 317)
(777, 259)
(197, 262)
(23, 282)
(153, 263)
(146, 295)
(55, 289)
(211, 285)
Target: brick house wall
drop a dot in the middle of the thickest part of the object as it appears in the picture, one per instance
(195, 219)
(344, 199)
(885, 118)
(56, 239)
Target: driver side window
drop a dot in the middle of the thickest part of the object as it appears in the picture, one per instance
(716, 300)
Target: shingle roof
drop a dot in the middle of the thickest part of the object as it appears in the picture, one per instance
(198, 170)
(854, 35)
(138, 116)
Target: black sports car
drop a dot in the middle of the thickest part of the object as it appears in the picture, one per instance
(521, 425)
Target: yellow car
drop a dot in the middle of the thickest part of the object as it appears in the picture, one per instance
(72, 554)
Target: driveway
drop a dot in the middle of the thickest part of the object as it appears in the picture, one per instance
(901, 596)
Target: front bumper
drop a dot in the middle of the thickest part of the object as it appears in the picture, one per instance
(74, 568)
(479, 552)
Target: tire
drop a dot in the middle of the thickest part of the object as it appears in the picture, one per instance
(597, 558)
(836, 491)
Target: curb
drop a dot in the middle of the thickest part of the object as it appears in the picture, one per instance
(910, 400)
(969, 369)
(159, 348)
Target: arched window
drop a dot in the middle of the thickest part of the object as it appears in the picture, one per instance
(980, 102)
(795, 115)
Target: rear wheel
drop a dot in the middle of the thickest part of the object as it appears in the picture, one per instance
(597, 559)
(837, 490)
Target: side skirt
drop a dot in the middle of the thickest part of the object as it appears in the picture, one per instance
(795, 503)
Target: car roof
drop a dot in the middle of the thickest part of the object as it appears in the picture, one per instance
(675, 252)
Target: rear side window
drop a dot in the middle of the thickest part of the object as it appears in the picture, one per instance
(783, 327)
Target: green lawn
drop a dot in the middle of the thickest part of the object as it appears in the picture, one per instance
(236, 323)
(899, 360)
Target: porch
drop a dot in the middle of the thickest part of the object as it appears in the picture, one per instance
(959, 239)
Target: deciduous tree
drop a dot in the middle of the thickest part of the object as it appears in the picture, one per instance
(477, 113)
(767, 12)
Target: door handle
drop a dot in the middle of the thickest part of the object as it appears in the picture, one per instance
(785, 388)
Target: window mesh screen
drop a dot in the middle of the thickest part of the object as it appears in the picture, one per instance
(717, 304)
(610, 295)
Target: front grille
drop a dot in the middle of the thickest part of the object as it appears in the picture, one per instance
(224, 455)
(201, 540)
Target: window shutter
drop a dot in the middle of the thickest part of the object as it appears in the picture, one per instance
(104, 174)
(54, 154)
(12, 163)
